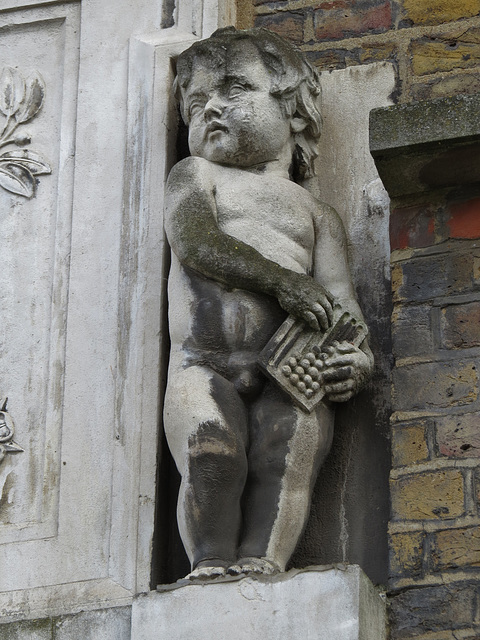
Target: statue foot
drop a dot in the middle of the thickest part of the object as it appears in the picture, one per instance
(253, 565)
(208, 570)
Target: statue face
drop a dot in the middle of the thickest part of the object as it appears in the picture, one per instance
(233, 118)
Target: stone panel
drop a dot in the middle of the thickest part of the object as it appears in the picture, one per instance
(105, 624)
(35, 262)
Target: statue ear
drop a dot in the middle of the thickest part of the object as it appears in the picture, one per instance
(298, 124)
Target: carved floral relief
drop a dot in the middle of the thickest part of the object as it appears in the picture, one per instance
(20, 100)
(7, 430)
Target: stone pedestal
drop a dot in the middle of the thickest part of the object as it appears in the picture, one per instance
(313, 604)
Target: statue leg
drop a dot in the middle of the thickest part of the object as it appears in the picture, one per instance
(206, 429)
(287, 448)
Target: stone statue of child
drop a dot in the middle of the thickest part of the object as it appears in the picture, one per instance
(250, 246)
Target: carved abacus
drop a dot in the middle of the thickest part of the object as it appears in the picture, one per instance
(295, 356)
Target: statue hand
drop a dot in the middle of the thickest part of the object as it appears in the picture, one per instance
(305, 299)
(347, 368)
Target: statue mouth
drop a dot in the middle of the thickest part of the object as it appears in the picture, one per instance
(214, 126)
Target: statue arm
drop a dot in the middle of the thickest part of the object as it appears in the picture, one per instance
(349, 367)
(195, 238)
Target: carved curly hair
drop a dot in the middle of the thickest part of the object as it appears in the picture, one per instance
(295, 83)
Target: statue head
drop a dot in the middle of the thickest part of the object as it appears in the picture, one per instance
(293, 83)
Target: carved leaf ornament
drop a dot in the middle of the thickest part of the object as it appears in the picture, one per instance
(7, 429)
(20, 100)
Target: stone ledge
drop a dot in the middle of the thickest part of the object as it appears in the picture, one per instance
(334, 603)
(421, 146)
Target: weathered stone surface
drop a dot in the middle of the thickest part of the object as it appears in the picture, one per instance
(336, 20)
(106, 624)
(409, 444)
(335, 604)
(432, 609)
(102, 624)
(458, 436)
(406, 125)
(436, 11)
(28, 630)
(401, 139)
(406, 551)
(411, 330)
(446, 52)
(456, 548)
(460, 325)
(434, 385)
(432, 495)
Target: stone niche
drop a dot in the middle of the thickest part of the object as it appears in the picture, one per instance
(348, 521)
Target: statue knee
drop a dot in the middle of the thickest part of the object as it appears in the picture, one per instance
(216, 455)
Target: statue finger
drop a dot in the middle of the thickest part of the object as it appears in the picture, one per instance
(339, 387)
(338, 374)
(312, 321)
(345, 347)
(321, 315)
(341, 397)
(336, 360)
(327, 307)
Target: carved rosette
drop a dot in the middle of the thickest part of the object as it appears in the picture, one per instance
(7, 429)
(20, 100)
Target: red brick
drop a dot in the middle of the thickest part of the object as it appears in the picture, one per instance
(336, 20)
(288, 24)
(461, 326)
(412, 227)
(465, 219)
(459, 436)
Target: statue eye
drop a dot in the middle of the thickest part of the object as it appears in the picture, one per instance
(196, 107)
(237, 90)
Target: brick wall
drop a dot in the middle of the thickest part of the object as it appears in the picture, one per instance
(435, 44)
(435, 480)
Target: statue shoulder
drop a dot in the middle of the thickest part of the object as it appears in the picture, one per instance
(191, 172)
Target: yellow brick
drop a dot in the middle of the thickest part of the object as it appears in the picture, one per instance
(440, 55)
(397, 282)
(456, 548)
(433, 495)
(406, 554)
(439, 11)
(409, 445)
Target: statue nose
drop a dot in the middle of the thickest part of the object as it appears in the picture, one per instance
(214, 107)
